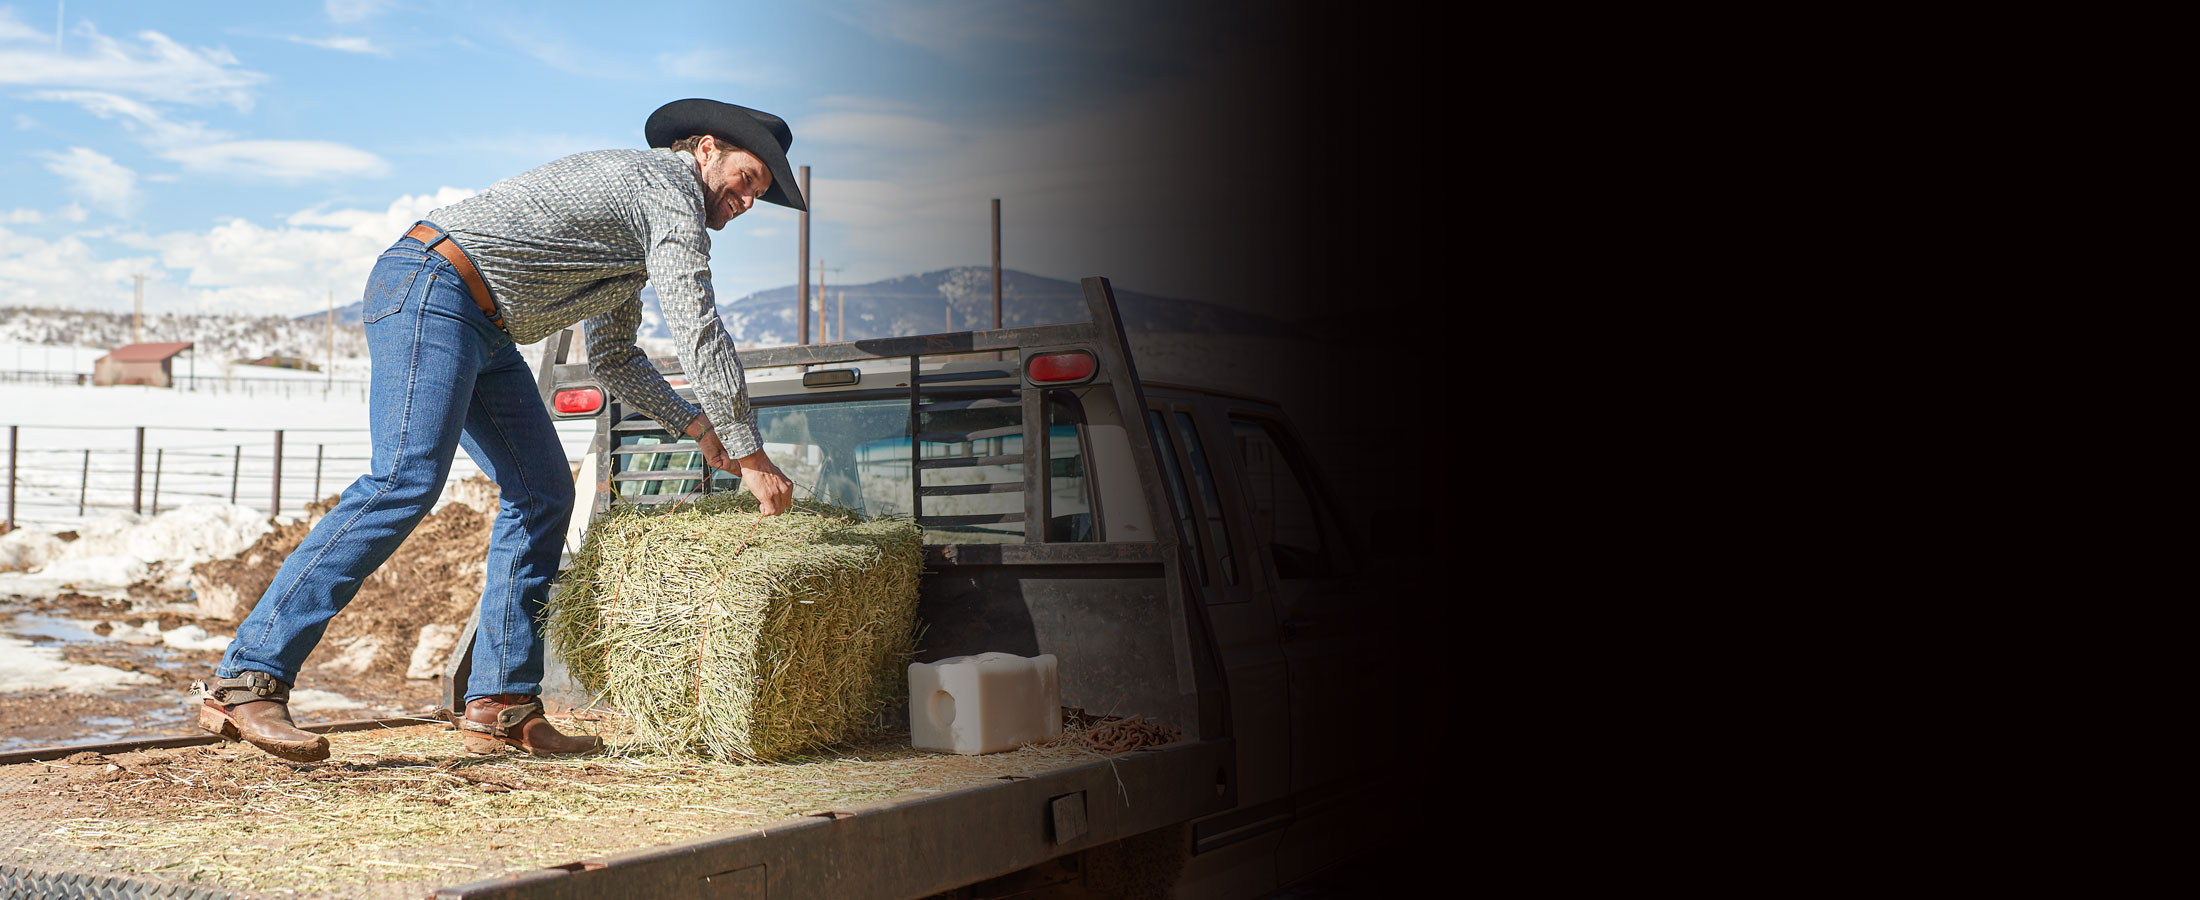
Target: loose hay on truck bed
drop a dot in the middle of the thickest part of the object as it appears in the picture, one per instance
(394, 812)
(739, 636)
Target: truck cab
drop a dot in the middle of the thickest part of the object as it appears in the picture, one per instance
(1173, 546)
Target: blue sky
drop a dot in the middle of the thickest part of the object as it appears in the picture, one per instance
(255, 158)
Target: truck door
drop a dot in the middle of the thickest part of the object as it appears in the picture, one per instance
(1302, 564)
(1246, 631)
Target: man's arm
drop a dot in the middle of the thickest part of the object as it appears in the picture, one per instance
(678, 261)
(625, 369)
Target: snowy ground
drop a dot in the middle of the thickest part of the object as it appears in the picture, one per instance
(201, 445)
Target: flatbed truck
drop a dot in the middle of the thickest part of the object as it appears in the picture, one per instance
(1172, 546)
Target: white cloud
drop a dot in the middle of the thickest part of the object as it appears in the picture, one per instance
(13, 29)
(125, 82)
(24, 122)
(74, 212)
(233, 266)
(283, 161)
(345, 44)
(208, 151)
(718, 66)
(64, 272)
(349, 11)
(400, 214)
(22, 217)
(240, 266)
(552, 50)
(95, 178)
(140, 119)
(886, 130)
(523, 149)
(153, 68)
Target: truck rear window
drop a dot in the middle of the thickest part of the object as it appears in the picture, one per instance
(855, 453)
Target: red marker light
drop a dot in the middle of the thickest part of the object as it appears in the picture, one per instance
(575, 401)
(1057, 368)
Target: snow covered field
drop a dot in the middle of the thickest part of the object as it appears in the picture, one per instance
(76, 446)
(74, 467)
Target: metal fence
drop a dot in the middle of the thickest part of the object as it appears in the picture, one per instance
(298, 387)
(59, 475)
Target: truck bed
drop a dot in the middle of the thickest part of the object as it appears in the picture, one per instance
(403, 812)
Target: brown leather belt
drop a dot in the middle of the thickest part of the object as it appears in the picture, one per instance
(448, 249)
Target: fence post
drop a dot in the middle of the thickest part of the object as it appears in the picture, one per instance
(275, 501)
(137, 485)
(318, 449)
(235, 465)
(84, 484)
(157, 454)
(11, 476)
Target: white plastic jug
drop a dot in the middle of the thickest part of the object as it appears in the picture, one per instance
(984, 703)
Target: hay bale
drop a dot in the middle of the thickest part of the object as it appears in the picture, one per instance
(738, 636)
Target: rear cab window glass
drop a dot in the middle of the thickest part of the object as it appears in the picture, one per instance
(855, 453)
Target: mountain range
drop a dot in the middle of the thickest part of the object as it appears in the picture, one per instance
(956, 299)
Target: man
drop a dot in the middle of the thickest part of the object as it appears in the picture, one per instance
(444, 307)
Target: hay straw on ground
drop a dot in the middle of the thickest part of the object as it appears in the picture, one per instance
(739, 636)
(393, 811)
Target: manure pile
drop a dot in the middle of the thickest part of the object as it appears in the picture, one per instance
(736, 636)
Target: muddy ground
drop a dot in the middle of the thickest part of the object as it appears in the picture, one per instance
(358, 671)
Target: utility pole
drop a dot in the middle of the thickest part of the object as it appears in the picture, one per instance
(840, 328)
(824, 310)
(137, 315)
(802, 272)
(996, 262)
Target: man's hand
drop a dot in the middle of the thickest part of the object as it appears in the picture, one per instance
(758, 473)
(762, 477)
(714, 452)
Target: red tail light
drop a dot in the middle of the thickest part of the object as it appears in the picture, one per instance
(575, 401)
(1058, 368)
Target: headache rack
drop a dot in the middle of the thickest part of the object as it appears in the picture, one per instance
(1003, 371)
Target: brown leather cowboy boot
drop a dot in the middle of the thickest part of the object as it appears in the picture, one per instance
(255, 708)
(493, 722)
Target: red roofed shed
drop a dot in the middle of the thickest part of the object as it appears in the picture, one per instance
(139, 364)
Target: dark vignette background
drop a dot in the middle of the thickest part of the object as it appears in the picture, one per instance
(1321, 200)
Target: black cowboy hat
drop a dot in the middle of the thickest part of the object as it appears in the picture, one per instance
(758, 132)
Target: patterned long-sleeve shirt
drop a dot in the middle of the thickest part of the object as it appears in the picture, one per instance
(576, 239)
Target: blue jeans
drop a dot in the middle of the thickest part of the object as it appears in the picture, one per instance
(444, 377)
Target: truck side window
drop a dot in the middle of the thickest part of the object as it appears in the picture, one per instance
(1284, 514)
(1069, 491)
(1218, 529)
(1178, 502)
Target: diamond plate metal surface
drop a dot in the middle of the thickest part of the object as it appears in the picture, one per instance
(28, 883)
(50, 853)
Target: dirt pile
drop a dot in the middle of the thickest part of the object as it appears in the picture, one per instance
(228, 588)
(434, 579)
